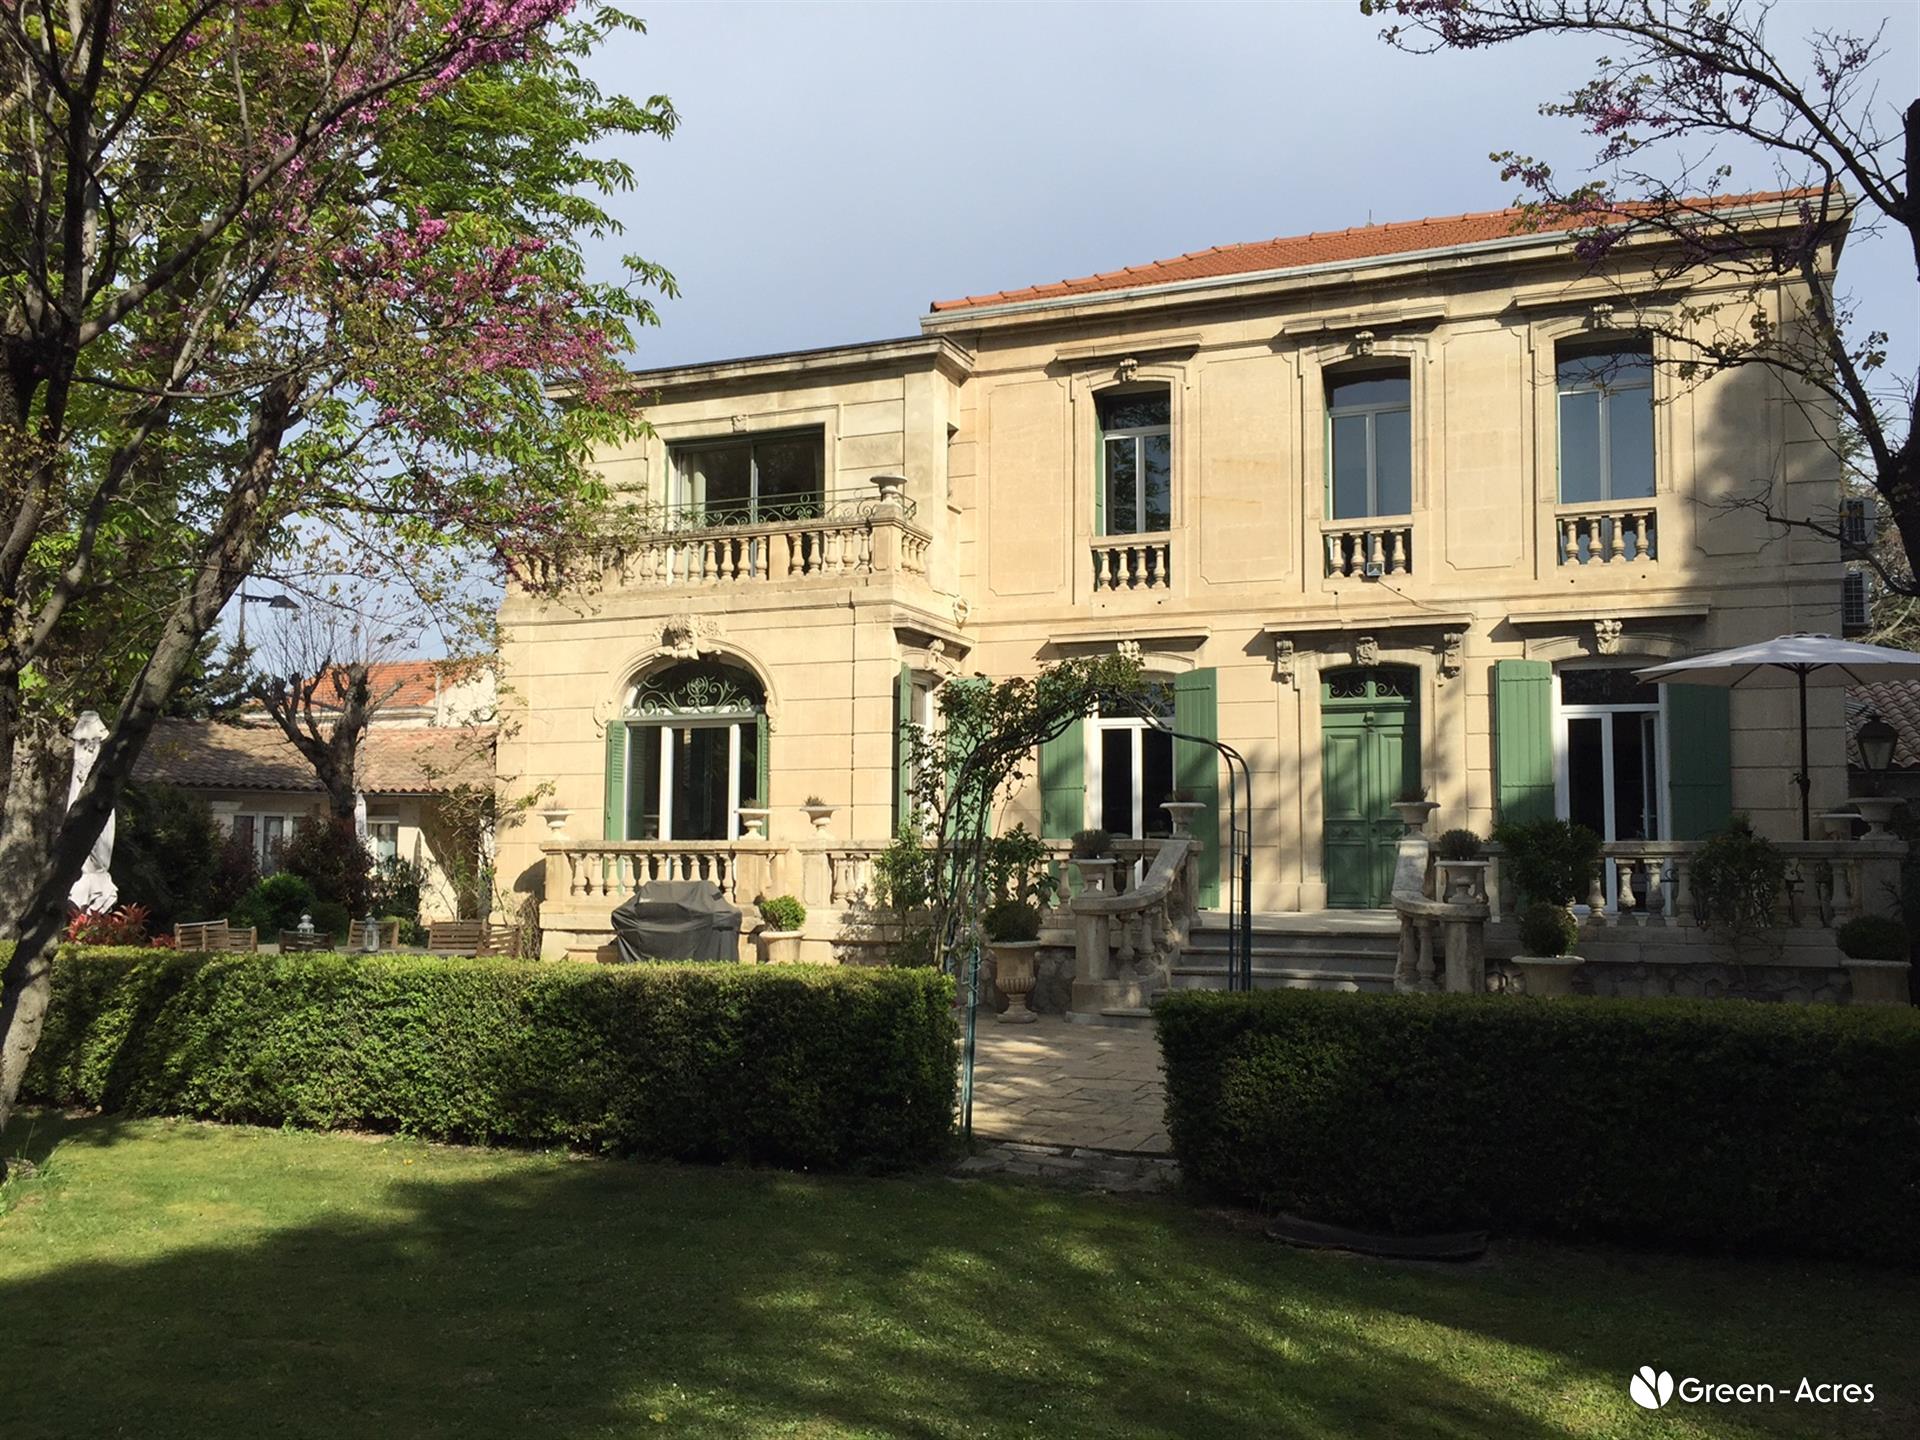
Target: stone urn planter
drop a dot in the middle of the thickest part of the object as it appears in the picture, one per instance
(1548, 976)
(1462, 881)
(556, 817)
(1015, 967)
(1876, 810)
(1181, 813)
(753, 822)
(778, 947)
(1096, 874)
(820, 815)
(1414, 814)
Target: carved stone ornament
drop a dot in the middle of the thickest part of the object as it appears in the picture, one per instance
(1127, 369)
(1362, 343)
(962, 608)
(1600, 317)
(1452, 649)
(739, 423)
(682, 636)
(1366, 651)
(939, 660)
(1283, 661)
(1606, 637)
(1129, 650)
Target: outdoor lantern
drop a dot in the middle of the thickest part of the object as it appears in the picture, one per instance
(1877, 740)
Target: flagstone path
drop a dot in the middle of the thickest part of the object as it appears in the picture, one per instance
(1056, 1084)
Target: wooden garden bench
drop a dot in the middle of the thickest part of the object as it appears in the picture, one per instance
(292, 942)
(459, 937)
(214, 935)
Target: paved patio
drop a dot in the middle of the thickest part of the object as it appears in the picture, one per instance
(1093, 1087)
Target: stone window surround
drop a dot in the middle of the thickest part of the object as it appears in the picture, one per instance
(1319, 365)
(669, 435)
(1085, 388)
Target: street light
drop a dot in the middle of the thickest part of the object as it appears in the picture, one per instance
(1877, 741)
(272, 602)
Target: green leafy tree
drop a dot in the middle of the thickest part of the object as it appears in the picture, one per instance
(282, 277)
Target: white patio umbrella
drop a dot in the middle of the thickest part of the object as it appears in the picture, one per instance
(1800, 655)
(94, 891)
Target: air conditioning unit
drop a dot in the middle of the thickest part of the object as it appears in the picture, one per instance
(1857, 517)
(1856, 603)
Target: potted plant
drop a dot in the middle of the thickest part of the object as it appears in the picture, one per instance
(819, 812)
(1012, 929)
(1546, 961)
(1414, 808)
(1552, 860)
(1181, 807)
(779, 939)
(1092, 856)
(1457, 855)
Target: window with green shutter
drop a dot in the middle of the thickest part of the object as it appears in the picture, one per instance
(1700, 740)
(1063, 782)
(1196, 768)
(1523, 739)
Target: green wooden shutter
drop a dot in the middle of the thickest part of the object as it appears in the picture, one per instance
(1196, 767)
(902, 747)
(762, 760)
(1523, 739)
(1063, 782)
(1700, 740)
(613, 823)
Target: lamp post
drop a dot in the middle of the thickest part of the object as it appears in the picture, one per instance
(1877, 741)
(272, 602)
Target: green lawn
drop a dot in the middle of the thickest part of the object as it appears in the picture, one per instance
(163, 1279)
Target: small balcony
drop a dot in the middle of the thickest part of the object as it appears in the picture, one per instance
(1132, 562)
(1615, 533)
(1369, 549)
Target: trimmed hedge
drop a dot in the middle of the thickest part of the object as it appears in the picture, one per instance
(1710, 1124)
(802, 1066)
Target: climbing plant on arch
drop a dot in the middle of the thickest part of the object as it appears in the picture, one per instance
(968, 765)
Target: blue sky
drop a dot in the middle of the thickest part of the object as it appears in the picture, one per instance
(840, 166)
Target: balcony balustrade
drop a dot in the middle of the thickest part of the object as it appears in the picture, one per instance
(1368, 547)
(1608, 534)
(1132, 562)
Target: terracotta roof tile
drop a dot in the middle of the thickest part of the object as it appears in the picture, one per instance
(1360, 242)
(209, 755)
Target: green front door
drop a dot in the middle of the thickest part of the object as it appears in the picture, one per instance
(1369, 754)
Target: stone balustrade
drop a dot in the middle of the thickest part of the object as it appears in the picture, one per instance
(1626, 533)
(1125, 942)
(1132, 562)
(1368, 547)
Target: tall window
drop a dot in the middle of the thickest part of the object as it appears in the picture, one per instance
(1370, 436)
(1606, 423)
(740, 482)
(1136, 462)
(694, 736)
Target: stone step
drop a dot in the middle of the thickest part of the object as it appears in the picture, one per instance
(1358, 951)
(1285, 977)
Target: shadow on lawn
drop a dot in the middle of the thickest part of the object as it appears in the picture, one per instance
(571, 1299)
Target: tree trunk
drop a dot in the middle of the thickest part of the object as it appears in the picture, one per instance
(36, 797)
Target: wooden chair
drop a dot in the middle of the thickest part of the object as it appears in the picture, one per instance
(459, 937)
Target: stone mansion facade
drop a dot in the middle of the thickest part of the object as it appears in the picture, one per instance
(1395, 507)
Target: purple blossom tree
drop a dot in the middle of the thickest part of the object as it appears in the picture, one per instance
(278, 277)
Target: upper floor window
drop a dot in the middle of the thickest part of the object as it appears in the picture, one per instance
(1370, 437)
(1136, 462)
(740, 482)
(1606, 422)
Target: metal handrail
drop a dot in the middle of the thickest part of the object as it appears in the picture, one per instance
(851, 505)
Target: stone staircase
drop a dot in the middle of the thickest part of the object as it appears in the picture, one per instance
(1324, 950)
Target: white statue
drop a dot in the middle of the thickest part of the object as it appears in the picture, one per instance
(94, 891)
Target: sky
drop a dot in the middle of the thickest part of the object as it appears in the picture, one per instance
(840, 166)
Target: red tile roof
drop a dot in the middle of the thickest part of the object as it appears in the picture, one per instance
(1898, 703)
(209, 755)
(1360, 242)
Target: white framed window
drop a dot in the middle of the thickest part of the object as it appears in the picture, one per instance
(1606, 422)
(1369, 445)
(1136, 461)
(265, 833)
(383, 839)
(693, 738)
(1610, 733)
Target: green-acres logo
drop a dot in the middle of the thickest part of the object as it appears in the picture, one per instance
(1651, 1389)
